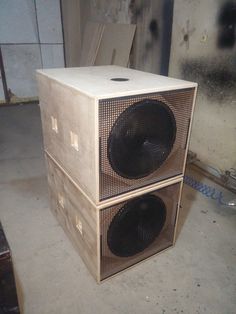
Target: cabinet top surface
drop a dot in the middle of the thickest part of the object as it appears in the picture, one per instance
(113, 81)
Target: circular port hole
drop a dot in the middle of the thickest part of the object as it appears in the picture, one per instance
(119, 79)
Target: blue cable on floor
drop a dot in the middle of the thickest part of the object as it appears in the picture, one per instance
(205, 190)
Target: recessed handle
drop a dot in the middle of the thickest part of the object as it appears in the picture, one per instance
(61, 200)
(74, 140)
(54, 124)
(78, 224)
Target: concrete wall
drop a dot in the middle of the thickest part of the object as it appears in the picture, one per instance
(204, 50)
(30, 38)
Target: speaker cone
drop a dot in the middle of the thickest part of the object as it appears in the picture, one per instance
(141, 139)
(136, 225)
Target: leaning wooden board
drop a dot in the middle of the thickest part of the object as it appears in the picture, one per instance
(91, 41)
(115, 44)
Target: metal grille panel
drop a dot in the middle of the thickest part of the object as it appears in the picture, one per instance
(180, 102)
(111, 263)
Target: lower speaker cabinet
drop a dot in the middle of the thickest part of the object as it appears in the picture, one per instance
(113, 237)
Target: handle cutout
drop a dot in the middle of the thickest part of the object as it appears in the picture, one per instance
(74, 140)
(61, 200)
(54, 124)
(79, 225)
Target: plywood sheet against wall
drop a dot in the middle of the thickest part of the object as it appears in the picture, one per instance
(72, 31)
(105, 11)
(91, 41)
(203, 50)
(115, 44)
(150, 51)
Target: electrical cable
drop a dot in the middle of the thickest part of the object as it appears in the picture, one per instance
(208, 191)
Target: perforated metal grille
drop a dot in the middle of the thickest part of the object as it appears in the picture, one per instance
(151, 230)
(112, 182)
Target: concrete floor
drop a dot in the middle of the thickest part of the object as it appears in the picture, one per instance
(197, 276)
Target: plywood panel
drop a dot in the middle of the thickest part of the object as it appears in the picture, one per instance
(76, 215)
(123, 197)
(97, 81)
(115, 44)
(72, 31)
(63, 104)
(91, 41)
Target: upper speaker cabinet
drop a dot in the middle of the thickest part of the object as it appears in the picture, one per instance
(113, 129)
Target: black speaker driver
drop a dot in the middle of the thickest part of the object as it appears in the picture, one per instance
(136, 225)
(141, 139)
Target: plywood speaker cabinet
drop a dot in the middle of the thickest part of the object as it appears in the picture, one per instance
(115, 130)
(111, 238)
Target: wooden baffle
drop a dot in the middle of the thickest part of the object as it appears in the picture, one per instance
(116, 143)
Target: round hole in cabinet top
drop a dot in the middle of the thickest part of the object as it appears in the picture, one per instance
(119, 79)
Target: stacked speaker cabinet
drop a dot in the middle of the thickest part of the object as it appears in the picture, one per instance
(115, 143)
